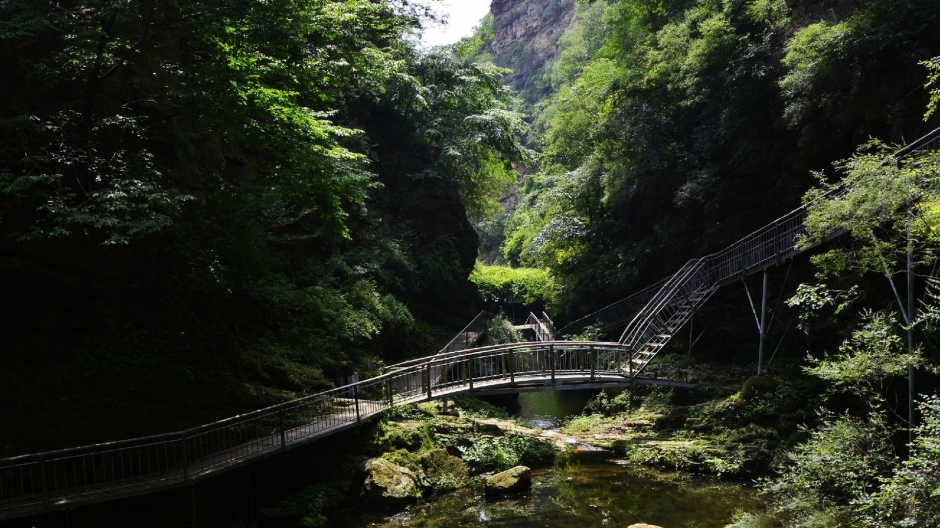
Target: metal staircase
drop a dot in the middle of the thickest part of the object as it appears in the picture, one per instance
(682, 294)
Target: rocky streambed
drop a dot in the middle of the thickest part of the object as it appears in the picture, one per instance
(460, 467)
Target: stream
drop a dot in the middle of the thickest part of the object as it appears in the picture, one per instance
(586, 487)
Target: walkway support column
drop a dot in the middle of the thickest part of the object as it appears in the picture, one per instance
(910, 338)
(763, 328)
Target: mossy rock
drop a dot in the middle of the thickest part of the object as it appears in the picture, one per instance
(513, 480)
(445, 472)
(757, 386)
(391, 436)
(387, 485)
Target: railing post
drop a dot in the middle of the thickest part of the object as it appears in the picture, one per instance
(185, 458)
(551, 356)
(428, 374)
(470, 374)
(280, 427)
(356, 398)
(388, 392)
(42, 472)
(512, 368)
(763, 328)
(630, 364)
(777, 243)
(593, 361)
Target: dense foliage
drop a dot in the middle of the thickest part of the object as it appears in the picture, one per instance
(204, 194)
(675, 128)
(504, 283)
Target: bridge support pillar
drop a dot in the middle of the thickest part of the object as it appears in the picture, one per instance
(763, 328)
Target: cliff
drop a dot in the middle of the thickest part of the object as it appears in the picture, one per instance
(526, 34)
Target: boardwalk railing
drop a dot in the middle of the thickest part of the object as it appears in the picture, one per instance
(613, 315)
(39, 482)
(688, 289)
(542, 328)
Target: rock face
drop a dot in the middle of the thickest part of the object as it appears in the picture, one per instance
(445, 472)
(527, 33)
(513, 480)
(388, 485)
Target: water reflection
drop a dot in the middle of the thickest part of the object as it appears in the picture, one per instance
(584, 489)
(545, 409)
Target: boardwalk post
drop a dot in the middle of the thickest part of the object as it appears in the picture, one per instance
(388, 392)
(185, 458)
(593, 361)
(630, 365)
(512, 368)
(280, 428)
(428, 370)
(551, 357)
(42, 471)
(356, 399)
(763, 328)
(470, 374)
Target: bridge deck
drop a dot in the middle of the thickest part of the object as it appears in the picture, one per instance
(327, 424)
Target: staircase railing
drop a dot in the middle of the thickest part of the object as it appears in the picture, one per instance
(541, 329)
(616, 314)
(689, 288)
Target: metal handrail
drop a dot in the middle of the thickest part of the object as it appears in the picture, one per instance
(463, 337)
(609, 315)
(542, 330)
(648, 332)
(36, 482)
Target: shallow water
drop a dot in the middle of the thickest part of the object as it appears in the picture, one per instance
(546, 409)
(583, 489)
(587, 487)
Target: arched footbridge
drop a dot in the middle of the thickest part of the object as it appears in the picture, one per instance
(67, 478)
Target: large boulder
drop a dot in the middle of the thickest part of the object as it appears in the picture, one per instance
(643, 525)
(445, 472)
(387, 485)
(515, 480)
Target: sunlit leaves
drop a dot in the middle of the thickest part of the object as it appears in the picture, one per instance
(502, 283)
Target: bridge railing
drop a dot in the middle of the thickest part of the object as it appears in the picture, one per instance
(33, 483)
